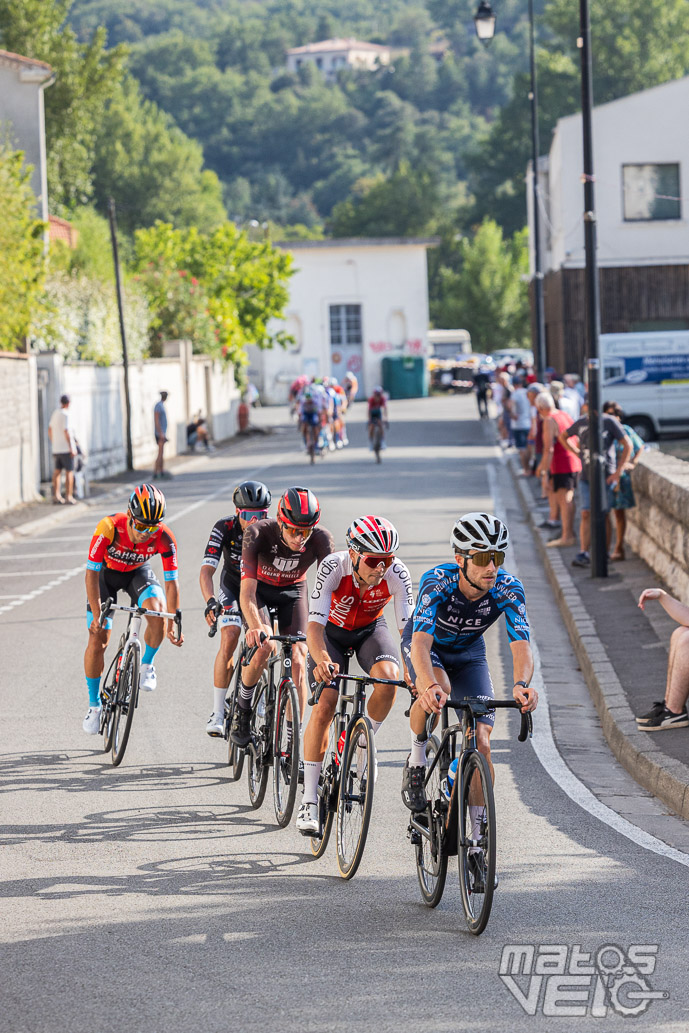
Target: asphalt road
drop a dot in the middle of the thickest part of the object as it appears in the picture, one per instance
(152, 898)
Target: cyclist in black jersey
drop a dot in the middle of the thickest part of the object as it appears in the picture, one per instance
(252, 501)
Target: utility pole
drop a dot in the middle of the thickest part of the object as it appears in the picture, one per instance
(598, 515)
(535, 151)
(123, 335)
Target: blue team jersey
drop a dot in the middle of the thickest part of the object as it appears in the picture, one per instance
(456, 622)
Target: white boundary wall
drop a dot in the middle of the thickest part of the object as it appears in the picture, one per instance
(18, 430)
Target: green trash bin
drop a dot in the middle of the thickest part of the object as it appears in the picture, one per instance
(405, 376)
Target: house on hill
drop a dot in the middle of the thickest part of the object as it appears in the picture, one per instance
(330, 55)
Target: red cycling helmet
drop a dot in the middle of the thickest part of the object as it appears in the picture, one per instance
(299, 507)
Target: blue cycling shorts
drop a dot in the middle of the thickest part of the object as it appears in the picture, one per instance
(467, 671)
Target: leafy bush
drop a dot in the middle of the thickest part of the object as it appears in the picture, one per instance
(22, 266)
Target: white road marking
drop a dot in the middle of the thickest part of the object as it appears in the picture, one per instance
(550, 757)
(43, 555)
(65, 575)
(31, 573)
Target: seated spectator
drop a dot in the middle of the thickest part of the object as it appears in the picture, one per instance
(560, 464)
(670, 712)
(197, 434)
(624, 493)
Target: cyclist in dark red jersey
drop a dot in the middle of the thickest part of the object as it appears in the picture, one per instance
(119, 555)
(351, 591)
(276, 555)
(251, 500)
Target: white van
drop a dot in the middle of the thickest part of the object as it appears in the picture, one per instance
(647, 374)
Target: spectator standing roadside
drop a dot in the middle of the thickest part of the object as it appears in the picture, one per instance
(560, 465)
(160, 427)
(64, 445)
(535, 441)
(521, 422)
(612, 432)
(624, 493)
(573, 399)
(482, 387)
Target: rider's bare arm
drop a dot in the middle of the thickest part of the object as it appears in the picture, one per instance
(251, 612)
(430, 695)
(522, 671)
(315, 643)
(172, 604)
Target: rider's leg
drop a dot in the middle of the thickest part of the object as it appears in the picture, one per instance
(383, 696)
(94, 658)
(316, 742)
(222, 668)
(417, 721)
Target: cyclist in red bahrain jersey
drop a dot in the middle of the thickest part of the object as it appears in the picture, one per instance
(351, 591)
(119, 555)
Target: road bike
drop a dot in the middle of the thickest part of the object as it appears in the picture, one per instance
(346, 782)
(377, 437)
(274, 728)
(120, 689)
(235, 754)
(444, 829)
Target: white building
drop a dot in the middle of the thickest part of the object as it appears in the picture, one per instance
(330, 55)
(641, 165)
(351, 303)
(22, 82)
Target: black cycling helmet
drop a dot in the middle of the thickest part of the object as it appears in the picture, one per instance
(299, 507)
(147, 504)
(251, 495)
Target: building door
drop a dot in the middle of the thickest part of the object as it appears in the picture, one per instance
(346, 343)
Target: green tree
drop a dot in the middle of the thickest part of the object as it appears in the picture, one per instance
(483, 289)
(151, 169)
(87, 75)
(22, 267)
(404, 205)
(244, 281)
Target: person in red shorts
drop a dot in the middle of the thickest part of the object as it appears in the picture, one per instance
(351, 591)
(121, 549)
(276, 555)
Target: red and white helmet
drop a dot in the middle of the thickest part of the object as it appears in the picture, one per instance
(373, 534)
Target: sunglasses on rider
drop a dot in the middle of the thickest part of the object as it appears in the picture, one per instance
(375, 561)
(252, 514)
(298, 532)
(482, 559)
(144, 528)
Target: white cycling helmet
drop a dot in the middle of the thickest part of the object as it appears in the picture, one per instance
(372, 534)
(479, 531)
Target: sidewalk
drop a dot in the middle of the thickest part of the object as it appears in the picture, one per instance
(623, 653)
(38, 516)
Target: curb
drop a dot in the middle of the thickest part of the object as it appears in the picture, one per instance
(663, 776)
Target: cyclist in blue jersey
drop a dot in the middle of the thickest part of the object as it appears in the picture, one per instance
(443, 642)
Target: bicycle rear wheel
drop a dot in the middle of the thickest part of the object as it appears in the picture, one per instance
(476, 867)
(377, 440)
(355, 799)
(431, 859)
(258, 767)
(328, 785)
(125, 704)
(286, 755)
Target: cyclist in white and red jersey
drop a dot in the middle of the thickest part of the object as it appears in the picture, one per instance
(346, 612)
(276, 555)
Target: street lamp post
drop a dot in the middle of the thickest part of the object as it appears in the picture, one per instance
(598, 515)
(535, 151)
(484, 20)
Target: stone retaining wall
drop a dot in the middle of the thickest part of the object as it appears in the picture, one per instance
(657, 526)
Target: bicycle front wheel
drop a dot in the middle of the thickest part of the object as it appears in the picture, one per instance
(286, 756)
(476, 854)
(355, 799)
(327, 793)
(125, 704)
(431, 859)
(258, 767)
(108, 698)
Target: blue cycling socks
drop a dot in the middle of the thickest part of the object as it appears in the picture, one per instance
(149, 653)
(94, 691)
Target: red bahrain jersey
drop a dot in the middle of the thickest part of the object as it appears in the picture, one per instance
(336, 598)
(112, 546)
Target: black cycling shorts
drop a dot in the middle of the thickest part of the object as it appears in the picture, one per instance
(228, 597)
(291, 605)
(371, 644)
(139, 584)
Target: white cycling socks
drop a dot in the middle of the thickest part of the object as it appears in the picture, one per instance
(417, 757)
(219, 700)
(375, 725)
(312, 771)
